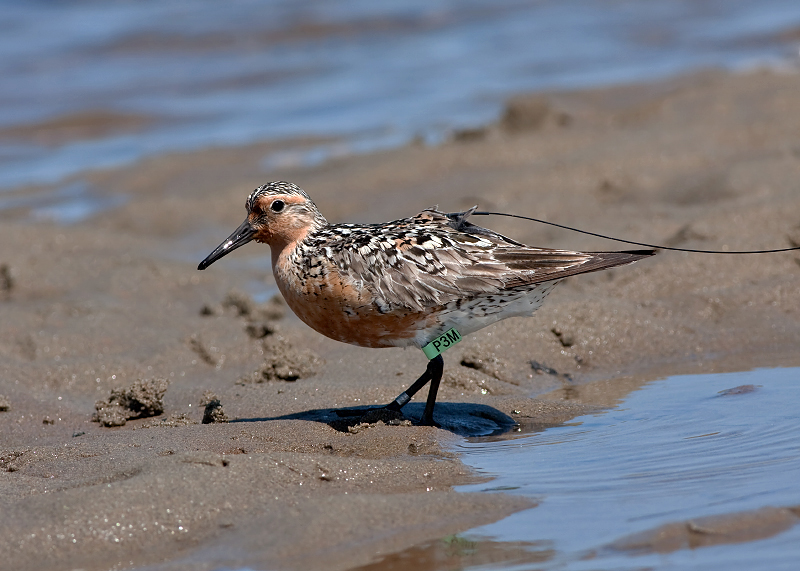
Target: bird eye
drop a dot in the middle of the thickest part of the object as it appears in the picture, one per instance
(277, 205)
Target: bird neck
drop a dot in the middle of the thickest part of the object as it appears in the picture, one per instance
(285, 245)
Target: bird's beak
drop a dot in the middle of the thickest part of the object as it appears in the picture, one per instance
(241, 236)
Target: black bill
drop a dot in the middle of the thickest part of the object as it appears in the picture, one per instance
(241, 236)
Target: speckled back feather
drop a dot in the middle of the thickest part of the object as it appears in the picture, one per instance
(434, 258)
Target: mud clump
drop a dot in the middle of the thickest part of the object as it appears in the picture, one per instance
(142, 399)
(7, 282)
(371, 417)
(242, 305)
(284, 363)
(259, 329)
(5, 404)
(259, 318)
(213, 412)
(12, 460)
(469, 379)
(542, 369)
(566, 339)
(531, 114)
(240, 302)
(486, 364)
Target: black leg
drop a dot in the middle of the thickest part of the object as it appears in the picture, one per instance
(436, 377)
(433, 373)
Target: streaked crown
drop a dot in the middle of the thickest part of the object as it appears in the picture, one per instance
(278, 187)
(302, 207)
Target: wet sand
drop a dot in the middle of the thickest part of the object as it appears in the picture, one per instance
(707, 161)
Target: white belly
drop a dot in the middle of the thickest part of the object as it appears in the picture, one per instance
(470, 316)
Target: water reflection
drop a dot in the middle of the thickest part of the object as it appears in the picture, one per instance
(456, 552)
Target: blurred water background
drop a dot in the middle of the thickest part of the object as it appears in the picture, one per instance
(88, 84)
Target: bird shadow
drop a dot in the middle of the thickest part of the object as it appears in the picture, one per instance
(464, 419)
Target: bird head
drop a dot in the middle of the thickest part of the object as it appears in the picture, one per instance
(278, 213)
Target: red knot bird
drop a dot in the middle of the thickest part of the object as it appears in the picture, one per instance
(424, 281)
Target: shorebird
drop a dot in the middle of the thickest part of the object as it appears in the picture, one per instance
(424, 281)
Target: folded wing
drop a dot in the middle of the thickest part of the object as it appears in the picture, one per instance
(435, 258)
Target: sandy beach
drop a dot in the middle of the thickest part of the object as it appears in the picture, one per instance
(706, 161)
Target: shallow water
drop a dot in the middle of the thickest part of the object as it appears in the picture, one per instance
(86, 85)
(677, 449)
